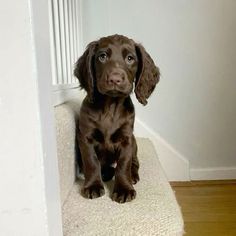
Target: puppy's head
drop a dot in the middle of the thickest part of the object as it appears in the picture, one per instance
(113, 65)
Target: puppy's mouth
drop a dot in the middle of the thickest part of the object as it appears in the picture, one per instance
(115, 93)
(116, 90)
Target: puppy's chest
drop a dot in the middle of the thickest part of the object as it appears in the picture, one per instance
(109, 126)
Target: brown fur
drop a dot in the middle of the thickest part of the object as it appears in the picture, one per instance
(108, 70)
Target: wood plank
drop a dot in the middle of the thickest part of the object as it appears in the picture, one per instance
(201, 182)
(208, 207)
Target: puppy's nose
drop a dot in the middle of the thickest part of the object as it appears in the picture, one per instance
(116, 78)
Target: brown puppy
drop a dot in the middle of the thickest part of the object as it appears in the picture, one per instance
(108, 70)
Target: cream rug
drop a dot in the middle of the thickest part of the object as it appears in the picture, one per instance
(153, 212)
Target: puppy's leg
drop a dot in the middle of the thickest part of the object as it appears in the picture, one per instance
(135, 163)
(123, 188)
(93, 186)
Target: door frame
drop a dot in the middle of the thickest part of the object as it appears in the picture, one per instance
(39, 11)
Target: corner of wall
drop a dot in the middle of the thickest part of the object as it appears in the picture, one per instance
(174, 164)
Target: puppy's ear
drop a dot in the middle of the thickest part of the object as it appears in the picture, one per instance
(147, 75)
(84, 70)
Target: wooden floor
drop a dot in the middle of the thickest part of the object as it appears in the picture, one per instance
(208, 207)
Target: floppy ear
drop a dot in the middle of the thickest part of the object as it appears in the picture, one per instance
(147, 75)
(84, 70)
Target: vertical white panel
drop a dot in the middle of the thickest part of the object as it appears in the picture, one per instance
(80, 26)
(67, 42)
(74, 31)
(63, 41)
(71, 33)
(57, 41)
(53, 43)
(65, 36)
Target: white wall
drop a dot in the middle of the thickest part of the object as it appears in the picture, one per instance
(29, 203)
(193, 43)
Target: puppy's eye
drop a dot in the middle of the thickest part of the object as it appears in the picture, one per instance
(129, 59)
(102, 57)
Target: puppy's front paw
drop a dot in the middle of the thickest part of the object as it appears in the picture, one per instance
(122, 195)
(93, 191)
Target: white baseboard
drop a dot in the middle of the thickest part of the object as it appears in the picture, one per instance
(213, 173)
(64, 93)
(174, 164)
